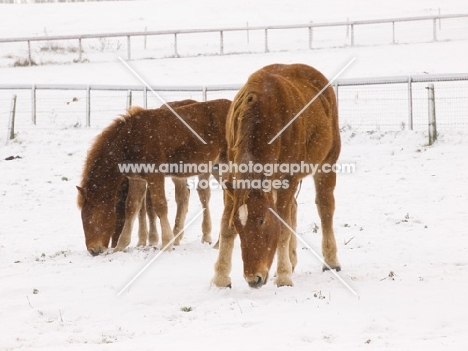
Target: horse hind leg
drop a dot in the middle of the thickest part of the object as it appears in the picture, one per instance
(133, 204)
(204, 194)
(325, 200)
(293, 239)
(142, 223)
(153, 237)
(182, 195)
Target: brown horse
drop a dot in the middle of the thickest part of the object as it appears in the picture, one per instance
(152, 138)
(271, 99)
(134, 191)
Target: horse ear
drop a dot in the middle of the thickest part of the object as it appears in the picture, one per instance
(81, 191)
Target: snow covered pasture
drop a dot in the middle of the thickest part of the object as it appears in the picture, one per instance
(400, 225)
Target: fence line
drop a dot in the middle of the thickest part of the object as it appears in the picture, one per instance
(371, 103)
(349, 24)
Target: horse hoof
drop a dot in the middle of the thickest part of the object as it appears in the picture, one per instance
(284, 280)
(327, 268)
(206, 239)
(168, 248)
(222, 282)
(118, 249)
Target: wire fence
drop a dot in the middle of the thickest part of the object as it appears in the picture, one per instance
(392, 103)
(147, 44)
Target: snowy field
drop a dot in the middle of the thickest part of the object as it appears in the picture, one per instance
(400, 221)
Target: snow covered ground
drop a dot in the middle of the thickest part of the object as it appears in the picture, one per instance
(400, 219)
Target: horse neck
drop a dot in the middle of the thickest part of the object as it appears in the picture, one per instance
(104, 188)
(104, 178)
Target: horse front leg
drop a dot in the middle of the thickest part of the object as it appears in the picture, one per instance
(227, 235)
(158, 199)
(325, 200)
(204, 195)
(133, 204)
(286, 250)
(182, 196)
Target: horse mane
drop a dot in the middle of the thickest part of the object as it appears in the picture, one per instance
(100, 147)
(239, 127)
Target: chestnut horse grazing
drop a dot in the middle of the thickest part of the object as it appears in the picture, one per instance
(149, 138)
(133, 197)
(271, 99)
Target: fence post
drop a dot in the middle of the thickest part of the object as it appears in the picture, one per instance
(393, 32)
(129, 99)
(410, 103)
(311, 36)
(33, 104)
(11, 121)
(29, 53)
(204, 94)
(88, 106)
(434, 30)
(221, 43)
(80, 51)
(440, 21)
(352, 34)
(145, 97)
(432, 114)
(129, 48)
(176, 54)
(266, 40)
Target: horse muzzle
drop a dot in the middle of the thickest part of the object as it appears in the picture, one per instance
(95, 251)
(256, 280)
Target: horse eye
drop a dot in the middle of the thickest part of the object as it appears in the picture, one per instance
(261, 221)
